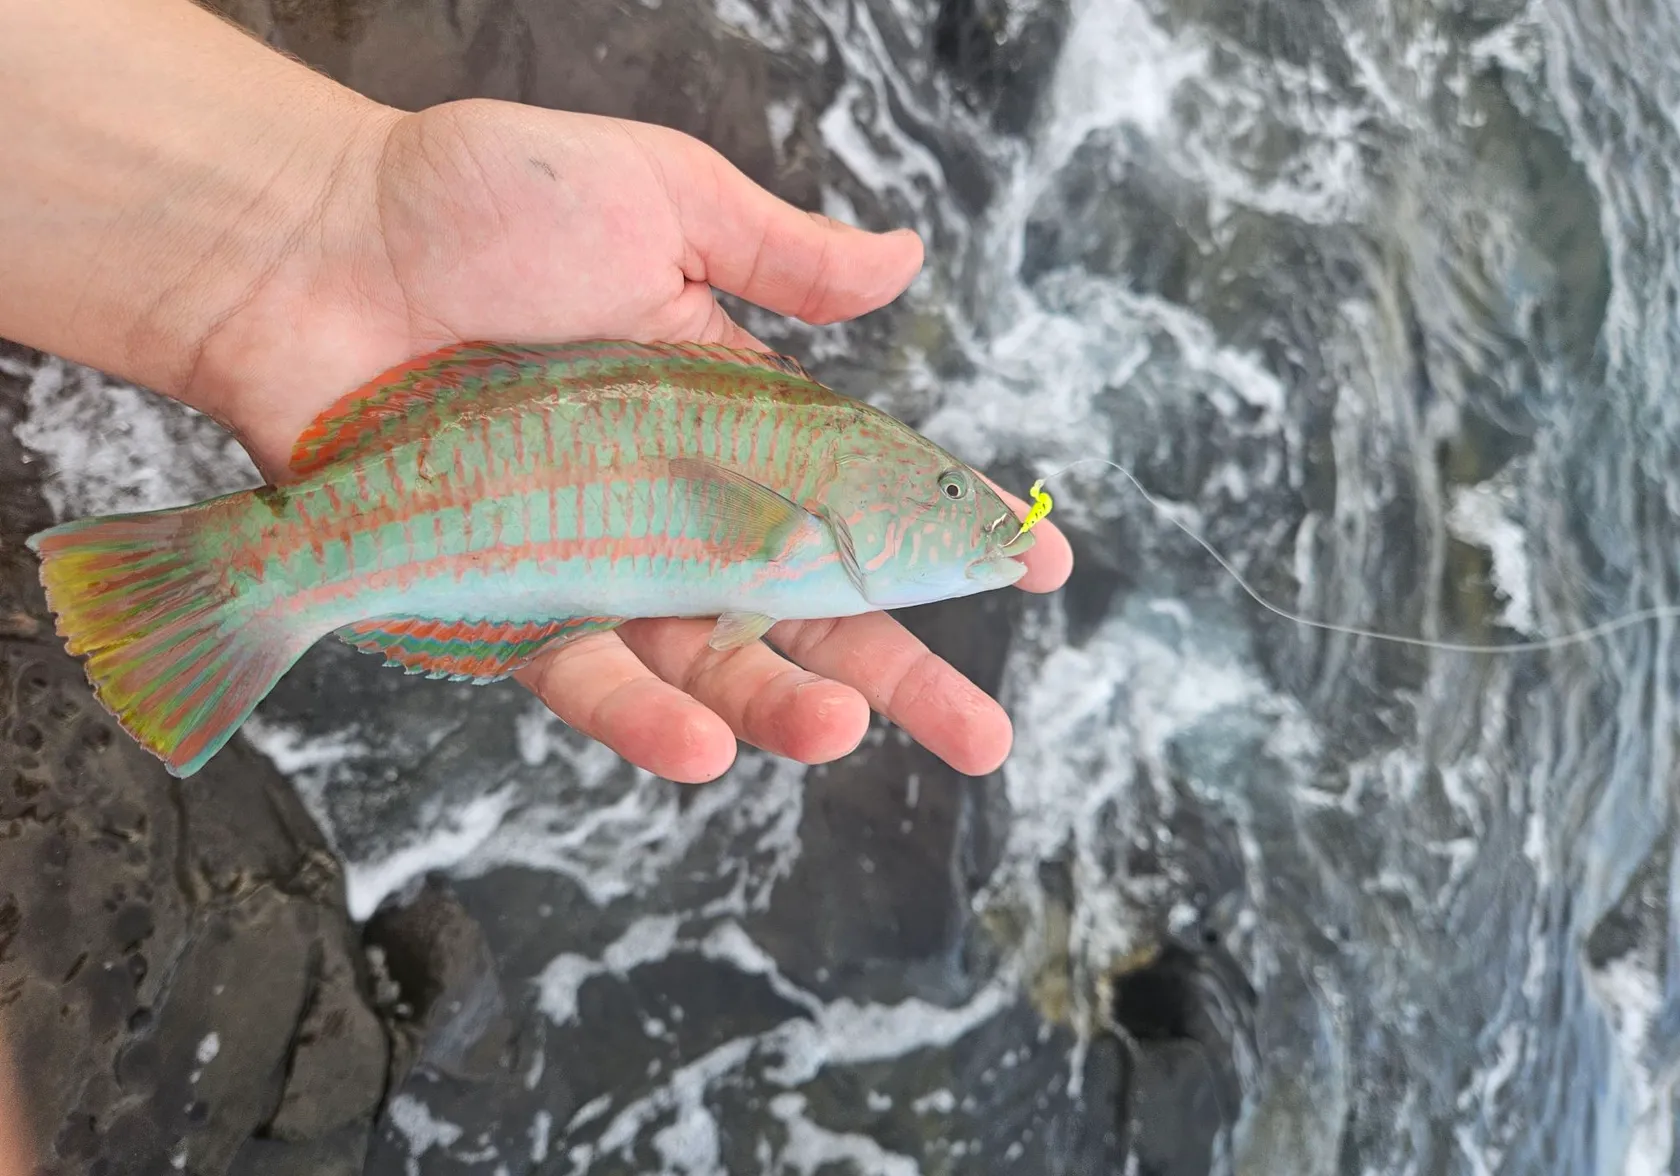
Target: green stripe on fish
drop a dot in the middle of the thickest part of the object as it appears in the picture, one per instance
(470, 509)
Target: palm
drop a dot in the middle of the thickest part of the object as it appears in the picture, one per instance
(537, 236)
(500, 221)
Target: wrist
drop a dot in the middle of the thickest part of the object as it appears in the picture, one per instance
(164, 165)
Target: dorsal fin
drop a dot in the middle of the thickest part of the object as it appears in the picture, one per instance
(421, 390)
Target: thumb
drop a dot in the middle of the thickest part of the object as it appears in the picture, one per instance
(742, 239)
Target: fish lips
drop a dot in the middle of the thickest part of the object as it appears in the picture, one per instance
(999, 568)
(1019, 545)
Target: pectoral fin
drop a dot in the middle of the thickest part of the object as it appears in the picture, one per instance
(848, 551)
(740, 514)
(735, 629)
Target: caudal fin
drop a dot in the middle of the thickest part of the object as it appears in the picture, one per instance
(170, 652)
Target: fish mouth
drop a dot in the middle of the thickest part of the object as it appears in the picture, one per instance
(1019, 545)
(1015, 544)
(1004, 541)
(996, 570)
(999, 566)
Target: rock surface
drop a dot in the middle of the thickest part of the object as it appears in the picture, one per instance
(178, 973)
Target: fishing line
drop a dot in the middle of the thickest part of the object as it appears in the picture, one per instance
(1042, 503)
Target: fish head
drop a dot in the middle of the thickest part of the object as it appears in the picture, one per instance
(920, 524)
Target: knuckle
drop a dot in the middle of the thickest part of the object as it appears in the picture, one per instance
(918, 680)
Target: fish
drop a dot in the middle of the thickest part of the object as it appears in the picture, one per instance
(471, 508)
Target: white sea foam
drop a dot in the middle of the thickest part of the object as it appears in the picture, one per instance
(622, 829)
(645, 941)
(110, 446)
(452, 841)
(812, 1148)
(1481, 515)
(419, 1126)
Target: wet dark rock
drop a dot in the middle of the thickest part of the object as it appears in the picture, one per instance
(1123, 220)
(1002, 1102)
(1000, 54)
(340, 1153)
(1302, 33)
(338, 1064)
(454, 1008)
(890, 822)
(1637, 924)
(1480, 17)
(1560, 261)
(884, 825)
(177, 971)
(1179, 1089)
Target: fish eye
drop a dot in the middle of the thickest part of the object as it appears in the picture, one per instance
(953, 484)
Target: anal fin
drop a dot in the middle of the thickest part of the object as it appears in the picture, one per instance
(465, 650)
(848, 551)
(736, 629)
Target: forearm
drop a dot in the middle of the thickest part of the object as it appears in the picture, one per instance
(157, 164)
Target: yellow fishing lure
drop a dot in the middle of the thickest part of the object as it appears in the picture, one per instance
(1040, 508)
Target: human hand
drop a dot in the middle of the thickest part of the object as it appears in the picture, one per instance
(488, 220)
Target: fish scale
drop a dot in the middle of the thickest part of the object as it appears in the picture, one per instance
(491, 485)
(471, 508)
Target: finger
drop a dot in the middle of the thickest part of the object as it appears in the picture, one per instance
(17, 1147)
(695, 315)
(596, 685)
(767, 700)
(905, 681)
(1050, 559)
(745, 240)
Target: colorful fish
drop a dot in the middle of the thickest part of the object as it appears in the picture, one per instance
(473, 507)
